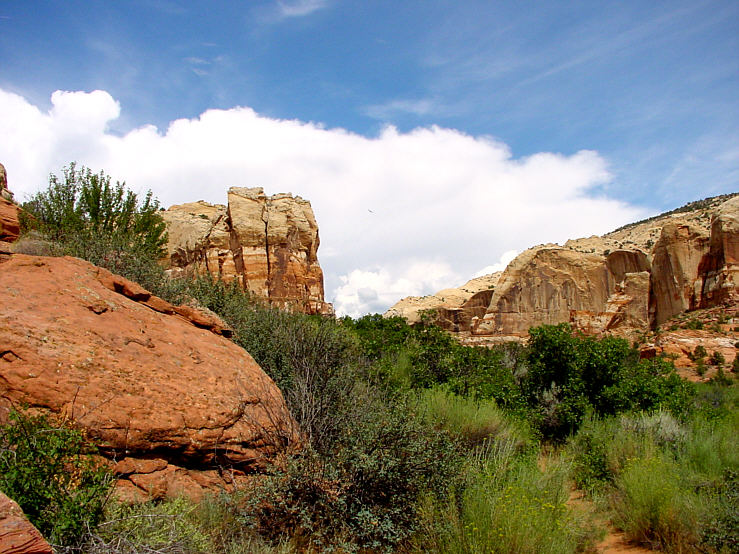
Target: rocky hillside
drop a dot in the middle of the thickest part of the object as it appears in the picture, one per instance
(269, 244)
(626, 283)
(455, 307)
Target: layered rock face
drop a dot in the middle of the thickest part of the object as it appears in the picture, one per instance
(662, 268)
(178, 406)
(548, 285)
(454, 308)
(624, 283)
(9, 225)
(269, 244)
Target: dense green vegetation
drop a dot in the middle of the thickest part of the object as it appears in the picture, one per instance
(416, 443)
(48, 470)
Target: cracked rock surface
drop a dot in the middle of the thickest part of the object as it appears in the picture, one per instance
(268, 244)
(143, 378)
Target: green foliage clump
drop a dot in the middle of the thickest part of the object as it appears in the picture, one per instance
(50, 472)
(699, 352)
(84, 215)
(473, 423)
(653, 506)
(717, 358)
(364, 494)
(570, 376)
(506, 504)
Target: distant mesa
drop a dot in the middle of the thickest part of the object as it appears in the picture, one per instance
(624, 283)
(268, 244)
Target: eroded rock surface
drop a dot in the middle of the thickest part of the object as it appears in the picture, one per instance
(144, 378)
(17, 534)
(269, 244)
(454, 307)
(9, 224)
(625, 283)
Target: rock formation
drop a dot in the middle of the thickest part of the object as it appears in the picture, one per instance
(17, 534)
(9, 225)
(157, 386)
(268, 244)
(624, 283)
(453, 308)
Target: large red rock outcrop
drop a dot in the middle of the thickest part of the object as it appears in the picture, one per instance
(676, 258)
(269, 244)
(144, 378)
(719, 269)
(17, 534)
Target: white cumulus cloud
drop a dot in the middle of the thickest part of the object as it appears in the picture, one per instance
(399, 213)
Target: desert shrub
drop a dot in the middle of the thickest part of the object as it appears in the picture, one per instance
(168, 526)
(364, 494)
(694, 324)
(472, 422)
(717, 358)
(50, 471)
(314, 360)
(506, 505)
(700, 366)
(698, 353)
(653, 506)
(721, 530)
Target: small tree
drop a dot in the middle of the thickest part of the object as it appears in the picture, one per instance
(50, 471)
(86, 216)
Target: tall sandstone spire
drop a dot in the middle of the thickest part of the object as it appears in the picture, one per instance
(269, 244)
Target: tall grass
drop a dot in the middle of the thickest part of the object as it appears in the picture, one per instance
(506, 505)
(653, 505)
(472, 422)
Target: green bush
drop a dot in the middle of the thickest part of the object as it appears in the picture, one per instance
(364, 494)
(721, 531)
(50, 472)
(84, 215)
(698, 353)
(717, 358)
(570, 376)
(654, 507)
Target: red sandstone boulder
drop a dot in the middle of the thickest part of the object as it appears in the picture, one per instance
(17, 534)
(145, 379)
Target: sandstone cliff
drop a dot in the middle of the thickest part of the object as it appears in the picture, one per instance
(623, 283)
(9, 226)
(158, 387)
(453, 308)
(268, 244)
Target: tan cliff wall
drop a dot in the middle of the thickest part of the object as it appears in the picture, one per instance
(623, 283)
(269, 244)
(9, 225)
(662, 268)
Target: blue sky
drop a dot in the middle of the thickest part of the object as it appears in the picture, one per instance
(648, 88)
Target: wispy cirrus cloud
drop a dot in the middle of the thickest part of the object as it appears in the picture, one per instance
(388, 110)
(300, 8)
